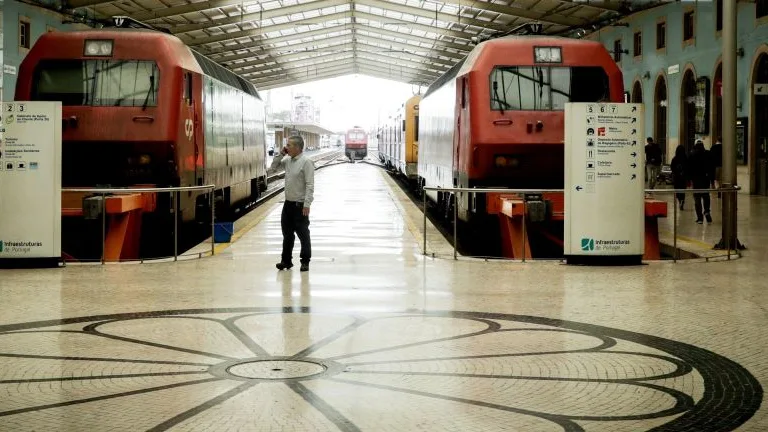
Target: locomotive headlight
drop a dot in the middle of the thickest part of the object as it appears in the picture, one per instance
(98, 48)
(502, 161)
(547, 55)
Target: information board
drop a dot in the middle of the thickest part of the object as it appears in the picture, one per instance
(604, 181)
(30, 181)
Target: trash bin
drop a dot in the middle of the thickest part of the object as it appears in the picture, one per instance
(222, 232)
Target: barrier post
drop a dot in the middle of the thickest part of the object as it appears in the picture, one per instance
(424, 209)
(455, 217)
(175, 225)
(524, 212)
(674, 227)
(213, 243)
(103, 227)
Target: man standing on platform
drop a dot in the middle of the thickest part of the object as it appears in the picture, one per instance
(299, 193)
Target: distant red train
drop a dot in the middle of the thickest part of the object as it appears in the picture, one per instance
(496, 119)
(356, 141)
(142, 108)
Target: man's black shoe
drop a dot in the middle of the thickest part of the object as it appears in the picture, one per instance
(304, 267)
(281, 266)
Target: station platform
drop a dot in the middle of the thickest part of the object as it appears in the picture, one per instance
(377, 336)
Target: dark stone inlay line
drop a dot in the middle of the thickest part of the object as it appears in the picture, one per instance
(566, 424)
(91, 330)
(327, 340)
(200, 408)
(100, 398)
(243, 337)
(492, 327)
(105, 359)
(681, 367)
(98, 377)
(683, 401)
(344, 424)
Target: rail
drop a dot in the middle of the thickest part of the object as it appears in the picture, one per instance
(103, 192)
(676, 251)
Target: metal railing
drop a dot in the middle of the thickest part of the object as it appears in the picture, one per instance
(453, 191)
(104, 192)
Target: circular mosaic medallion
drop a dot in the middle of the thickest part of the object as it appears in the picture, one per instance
(317, 370)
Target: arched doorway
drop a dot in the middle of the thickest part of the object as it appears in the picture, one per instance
(660, 114)
(637, 93)
(717, 104)
(760, 120)
(688, 110)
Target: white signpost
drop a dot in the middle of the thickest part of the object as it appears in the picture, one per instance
(604, 183)
(30, 184)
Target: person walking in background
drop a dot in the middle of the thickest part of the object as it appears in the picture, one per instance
(679, 166)
(299, 194)
(652, 162)
(717, 164)
(700, 174)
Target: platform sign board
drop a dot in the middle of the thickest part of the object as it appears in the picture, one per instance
(30, 182)
(604, 182)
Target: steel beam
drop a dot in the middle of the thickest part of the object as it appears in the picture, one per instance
(261, 15)
(288, 82)
(165, 12)
(331, 49)
(264, 43)
(544, 17)
(406, 36)
(407, 56)
(266, 29)
(415, 26)
(409, 47)
(297, 63)
(426, 13)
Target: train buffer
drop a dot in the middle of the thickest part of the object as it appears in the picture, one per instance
(544, 217)
(123, 215)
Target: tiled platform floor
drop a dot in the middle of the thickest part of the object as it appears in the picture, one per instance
(376, 337)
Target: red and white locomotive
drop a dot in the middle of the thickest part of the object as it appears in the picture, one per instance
(142, 108)
(356, 143)
(496, 119)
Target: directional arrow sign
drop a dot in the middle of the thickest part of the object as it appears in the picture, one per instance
(634, 165)
(634, 108)
(634, 143)
(634, 176)
(578, 188)
(634, 120)
(634, 131)
(633, 154)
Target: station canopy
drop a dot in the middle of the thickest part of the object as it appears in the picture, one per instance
(276, 43)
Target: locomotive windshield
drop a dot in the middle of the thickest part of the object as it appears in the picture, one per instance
(546, 88)
(124, 83)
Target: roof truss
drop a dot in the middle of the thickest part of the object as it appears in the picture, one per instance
(283, 42)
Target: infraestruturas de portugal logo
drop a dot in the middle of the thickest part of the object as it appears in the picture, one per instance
(590, 244)
(18, 246)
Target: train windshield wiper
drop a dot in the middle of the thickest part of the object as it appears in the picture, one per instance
(149, 92)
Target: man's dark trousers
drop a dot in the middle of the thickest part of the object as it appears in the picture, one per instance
(292, 221)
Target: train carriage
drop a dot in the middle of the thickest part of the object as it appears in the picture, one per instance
(399, 139)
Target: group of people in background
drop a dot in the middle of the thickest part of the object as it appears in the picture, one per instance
(699, 169)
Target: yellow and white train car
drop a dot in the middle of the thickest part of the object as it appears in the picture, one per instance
(399, 139)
